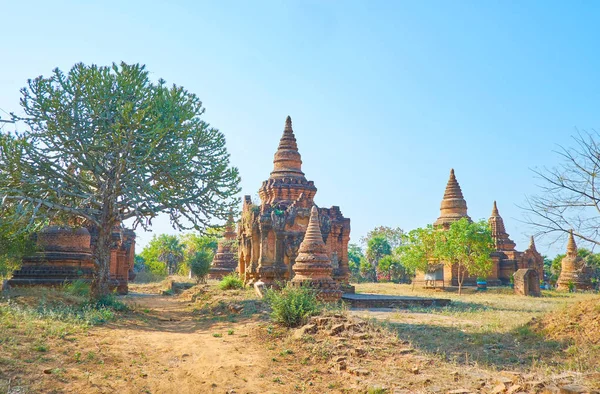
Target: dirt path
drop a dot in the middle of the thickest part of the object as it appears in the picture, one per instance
(169, 349)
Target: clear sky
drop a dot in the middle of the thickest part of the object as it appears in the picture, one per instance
(385, 96)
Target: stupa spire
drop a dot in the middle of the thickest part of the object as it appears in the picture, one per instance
(532, 243)
(229, 233)
(313, 266)
(454, 206)
(571, 246)
(495, 210)
(499, 234)
(287, 161)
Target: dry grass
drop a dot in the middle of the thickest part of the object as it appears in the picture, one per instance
(194, 340)
(492, 329)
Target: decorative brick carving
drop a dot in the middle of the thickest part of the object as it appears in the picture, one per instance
(270, 232)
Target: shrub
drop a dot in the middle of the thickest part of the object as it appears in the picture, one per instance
(199, 264)
(292, 306)
(231, 282)
(79, 288)
(109, 301)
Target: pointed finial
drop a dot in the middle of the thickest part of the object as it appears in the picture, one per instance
(571, 246)
(452, 172)
(532, 243)
(495, 210)
(287, 161)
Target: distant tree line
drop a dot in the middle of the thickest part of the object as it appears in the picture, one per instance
(178, 254)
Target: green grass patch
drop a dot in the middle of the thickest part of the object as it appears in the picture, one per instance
(292, 306)
(231, 282)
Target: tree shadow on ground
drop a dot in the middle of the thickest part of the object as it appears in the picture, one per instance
(518, 348)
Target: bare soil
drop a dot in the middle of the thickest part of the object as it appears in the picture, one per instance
(208, 341)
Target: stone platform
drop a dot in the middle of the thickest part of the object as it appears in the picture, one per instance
(390, 301)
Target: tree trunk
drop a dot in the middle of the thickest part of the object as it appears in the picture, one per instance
(101, 283)
(460, 278)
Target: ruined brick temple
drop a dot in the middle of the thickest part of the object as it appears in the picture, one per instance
(270, 233)
(225, 260)
(64, 254)
(506, 259)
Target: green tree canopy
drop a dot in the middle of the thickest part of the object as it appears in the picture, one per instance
(377, 248)
(467, 245)
(393, 236)
(355, 255)
(105, 145)
(420, 249)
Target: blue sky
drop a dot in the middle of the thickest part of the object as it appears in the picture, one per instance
(385, 96)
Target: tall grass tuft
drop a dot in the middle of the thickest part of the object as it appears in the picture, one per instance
(292, 306)
(78, 288)
(231, 282)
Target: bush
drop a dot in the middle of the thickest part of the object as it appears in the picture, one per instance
(199, 264)
(292, 306)
(231, 282)
(79, 288)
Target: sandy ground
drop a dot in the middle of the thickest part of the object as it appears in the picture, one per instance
(168, 351)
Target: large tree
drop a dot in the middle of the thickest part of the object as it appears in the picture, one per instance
(569, 196)
(105, 145)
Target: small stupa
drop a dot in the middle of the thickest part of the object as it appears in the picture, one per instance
(454, 206)
(225, 260)
(501, 239)
(313, 267)
(573, 269)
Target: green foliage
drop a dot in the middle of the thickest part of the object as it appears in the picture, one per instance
(292, 306)
(393, 236)
(377, 248)
(77, 288)
(84, 312)
(390, 268)
(107, 145)
(468, 245)
(163, 254)
(199, 264)
(420, 249)
(14, 244)
(109, 301)
(355, 255)
(194, 242)
(231, 282)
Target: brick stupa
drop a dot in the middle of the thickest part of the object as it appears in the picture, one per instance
(573, 269)
(225, 260)
(65, 254)
(454, 206)
(501, 239)
(313, 267)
